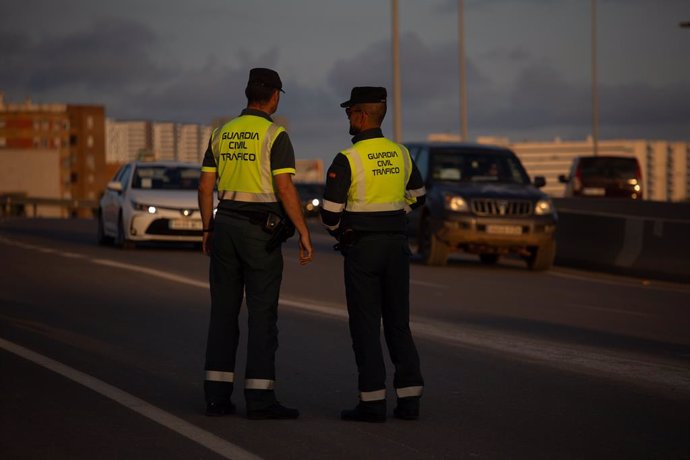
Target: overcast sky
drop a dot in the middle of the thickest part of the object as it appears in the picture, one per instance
(528, 63)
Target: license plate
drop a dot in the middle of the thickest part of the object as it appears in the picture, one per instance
(504, 229)
(594, 191)
(185, 224)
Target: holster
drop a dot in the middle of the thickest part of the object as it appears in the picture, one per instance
(346, 240)
(280, 228)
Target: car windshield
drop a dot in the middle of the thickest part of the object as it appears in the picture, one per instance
(455, 165)
(614, 168)
(166, 178)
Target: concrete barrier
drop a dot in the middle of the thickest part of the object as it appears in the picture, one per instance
(638, 238)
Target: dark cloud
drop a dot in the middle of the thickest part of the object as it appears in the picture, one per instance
(540, 101)
(112, 54)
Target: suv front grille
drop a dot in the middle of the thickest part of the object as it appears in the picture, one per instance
(496, 207)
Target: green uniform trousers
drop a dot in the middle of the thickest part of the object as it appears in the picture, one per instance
(377, 280)
(240, 264)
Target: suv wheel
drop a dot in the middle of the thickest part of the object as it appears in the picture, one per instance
(433, 250)
(542, 257)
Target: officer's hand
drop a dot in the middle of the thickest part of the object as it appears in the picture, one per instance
(206, 243)
(305, 249)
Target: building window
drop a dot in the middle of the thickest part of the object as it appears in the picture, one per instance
(3, 142)
(89, 141)
(73, 140)
(89, 122)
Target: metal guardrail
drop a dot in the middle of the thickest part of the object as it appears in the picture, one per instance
(18, 204)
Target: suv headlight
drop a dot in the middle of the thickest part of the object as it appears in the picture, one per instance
(144, 207)
(543, 207)
(455, 203)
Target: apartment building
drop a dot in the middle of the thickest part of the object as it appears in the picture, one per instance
(75, 132)
(133, 140)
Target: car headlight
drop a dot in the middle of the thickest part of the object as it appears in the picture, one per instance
(144, 207)
(315, 202)
(455, 203)
(543, 207)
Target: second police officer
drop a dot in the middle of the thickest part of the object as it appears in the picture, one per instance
(369, 189)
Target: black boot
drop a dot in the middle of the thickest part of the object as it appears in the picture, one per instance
(263, 405)
(369, 411)
(218, 409)
(275, 411)
(407, 408)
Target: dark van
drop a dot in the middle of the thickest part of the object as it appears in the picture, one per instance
(604, 176)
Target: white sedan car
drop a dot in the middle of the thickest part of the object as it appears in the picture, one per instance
(151, 201)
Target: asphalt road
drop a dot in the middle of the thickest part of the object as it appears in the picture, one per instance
(101, 356)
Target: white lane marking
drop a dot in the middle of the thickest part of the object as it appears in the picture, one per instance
(672, 375)
(204, 438)
(151, 271)
(616, 364)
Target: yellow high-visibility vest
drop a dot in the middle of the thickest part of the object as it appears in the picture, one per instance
(380, 171)
(242, 150)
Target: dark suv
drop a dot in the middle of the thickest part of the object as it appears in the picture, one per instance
(480, 200)
(604, 176)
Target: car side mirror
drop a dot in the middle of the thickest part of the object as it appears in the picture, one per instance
(539, 181)
(563, 179)
(115, 186)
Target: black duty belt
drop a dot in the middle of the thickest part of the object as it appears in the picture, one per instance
(255, 217)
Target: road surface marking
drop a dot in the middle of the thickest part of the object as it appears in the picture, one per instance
(204, 438)
(672, 375)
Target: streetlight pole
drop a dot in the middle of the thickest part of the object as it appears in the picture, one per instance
(461, 57)
(595, 95)
(397, 114)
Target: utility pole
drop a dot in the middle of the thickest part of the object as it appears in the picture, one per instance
(595, 92)
(397, 112)
(463, 83)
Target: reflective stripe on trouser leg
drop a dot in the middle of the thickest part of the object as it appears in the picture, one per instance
(258, 384)
(368, 396)
(408, 392)
(220, 376)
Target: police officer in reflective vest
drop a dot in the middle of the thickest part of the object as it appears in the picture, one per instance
(251, 161)
(369, 189)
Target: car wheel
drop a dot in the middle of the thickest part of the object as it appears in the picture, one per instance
(433, 250)
(102, 238)
(488, 259)
(121, 240)
(542, 257)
